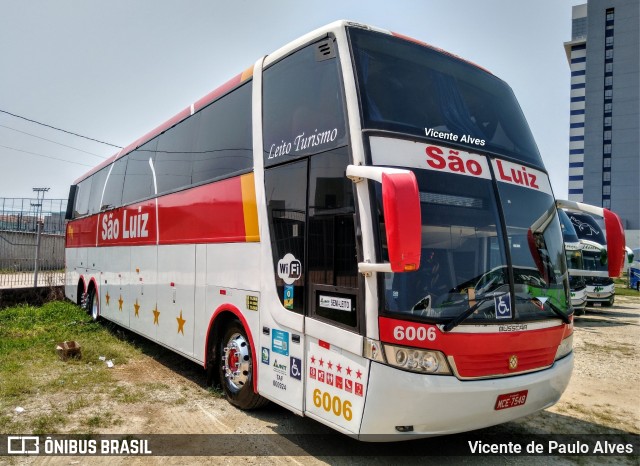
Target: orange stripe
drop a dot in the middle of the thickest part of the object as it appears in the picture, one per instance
(249, 208)
(246, 74)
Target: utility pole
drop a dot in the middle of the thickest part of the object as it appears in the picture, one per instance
(40, 192)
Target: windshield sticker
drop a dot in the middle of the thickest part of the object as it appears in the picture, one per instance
(289, 269)
(384, 151)
(296, 368)
(503, 306)
(513, 173)
(466, 138)
(280, 342)
(288, 297)
(338, 304)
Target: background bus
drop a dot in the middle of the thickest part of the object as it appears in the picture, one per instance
(573, 250)
(359, 228)
(600, 290)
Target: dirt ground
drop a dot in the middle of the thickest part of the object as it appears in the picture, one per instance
(167, 395)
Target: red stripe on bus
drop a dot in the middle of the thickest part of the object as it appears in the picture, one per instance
(479, 354)
(212, 213)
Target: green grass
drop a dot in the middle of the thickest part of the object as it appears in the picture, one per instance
(622, 288)
(30, 367)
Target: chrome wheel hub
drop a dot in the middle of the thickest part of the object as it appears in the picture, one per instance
(236, 361)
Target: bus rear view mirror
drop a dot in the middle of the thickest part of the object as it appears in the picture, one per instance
(616, 247)
(401, 210)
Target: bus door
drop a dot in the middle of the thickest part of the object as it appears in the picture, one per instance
(310, 218)
(310, 206)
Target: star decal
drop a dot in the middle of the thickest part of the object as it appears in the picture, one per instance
(330, 364)
(136, 308)
(339, 367)
(321, 362)
(349, 371)
(181, 322)
(156, 314)
(359, 374)
(313, 359)
(107, 297)
(120, 301)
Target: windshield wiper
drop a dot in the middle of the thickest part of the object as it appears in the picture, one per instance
(463, 315)
(556, 310)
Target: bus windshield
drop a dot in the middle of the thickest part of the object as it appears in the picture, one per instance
(464, 259)
(413, 89)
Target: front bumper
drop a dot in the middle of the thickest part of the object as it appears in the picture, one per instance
(437, 405)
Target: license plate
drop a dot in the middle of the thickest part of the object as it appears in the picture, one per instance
(510, 400)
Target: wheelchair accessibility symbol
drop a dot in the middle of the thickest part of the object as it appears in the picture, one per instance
(503, 306)
(295, 370)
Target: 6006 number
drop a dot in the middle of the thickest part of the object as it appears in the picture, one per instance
(414, 333)
(332, 403)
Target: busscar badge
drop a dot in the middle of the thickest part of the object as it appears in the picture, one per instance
(513, 362)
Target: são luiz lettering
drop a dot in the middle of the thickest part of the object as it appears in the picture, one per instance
(434, 133)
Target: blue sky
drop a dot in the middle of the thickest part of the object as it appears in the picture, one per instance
(115, 70)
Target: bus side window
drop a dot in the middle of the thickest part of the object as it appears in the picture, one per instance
(113, 190)
(138, 183)
(81, 204)
(332, 251)
(174, 155)
(97, 187)
(303, 105)
(224, 142)
(286, 191)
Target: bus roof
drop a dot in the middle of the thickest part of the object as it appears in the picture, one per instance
(247, 74)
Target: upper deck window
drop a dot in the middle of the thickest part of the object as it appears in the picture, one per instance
(303, 106)
(409, 88)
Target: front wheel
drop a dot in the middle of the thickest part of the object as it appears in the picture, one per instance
(236, 368)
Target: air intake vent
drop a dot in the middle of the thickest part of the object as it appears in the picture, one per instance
(325, 50)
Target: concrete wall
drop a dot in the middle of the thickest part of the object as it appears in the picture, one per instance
(18, 251)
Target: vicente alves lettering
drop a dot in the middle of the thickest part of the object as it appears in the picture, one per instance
(466, 138)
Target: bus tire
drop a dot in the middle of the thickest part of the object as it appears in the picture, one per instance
(91, 305)
(236, 368)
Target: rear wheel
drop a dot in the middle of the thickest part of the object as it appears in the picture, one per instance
(236, 368)
(91, 304)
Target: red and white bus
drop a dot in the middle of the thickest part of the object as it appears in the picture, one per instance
(359, 228)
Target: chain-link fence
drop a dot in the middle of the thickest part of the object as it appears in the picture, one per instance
(29, 257)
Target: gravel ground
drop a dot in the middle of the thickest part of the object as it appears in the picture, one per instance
(168, 395)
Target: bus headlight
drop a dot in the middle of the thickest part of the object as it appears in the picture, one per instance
(565, 347)
(417, 360)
